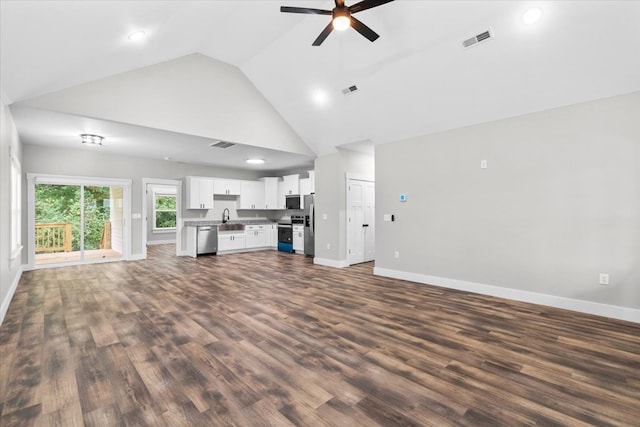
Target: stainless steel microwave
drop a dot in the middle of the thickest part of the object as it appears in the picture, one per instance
(293, 201)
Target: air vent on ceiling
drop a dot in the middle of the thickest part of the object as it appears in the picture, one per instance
(349, 89)
(479, 38)
(221, 144)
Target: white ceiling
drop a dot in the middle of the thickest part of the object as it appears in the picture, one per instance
(415, 79)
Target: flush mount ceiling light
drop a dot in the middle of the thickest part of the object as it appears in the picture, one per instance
(91, 139)
(137, 36)
(532, 16)
(255, 161)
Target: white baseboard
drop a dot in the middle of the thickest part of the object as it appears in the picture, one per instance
(136, 257)
(160, 242)
(12, 290)
(606, 310)
(331, 262)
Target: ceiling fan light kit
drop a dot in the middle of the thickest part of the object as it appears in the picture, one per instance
(341, 18)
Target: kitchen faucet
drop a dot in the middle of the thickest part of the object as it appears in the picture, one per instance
(225, 215)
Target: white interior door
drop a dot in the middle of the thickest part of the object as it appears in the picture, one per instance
(360, 221)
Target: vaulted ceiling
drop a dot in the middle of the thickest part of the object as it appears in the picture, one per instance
(415, 79)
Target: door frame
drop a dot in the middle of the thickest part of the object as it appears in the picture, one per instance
(350, 177)
(40, 178)
(173, 182)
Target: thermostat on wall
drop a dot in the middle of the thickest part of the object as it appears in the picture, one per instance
(403, 197)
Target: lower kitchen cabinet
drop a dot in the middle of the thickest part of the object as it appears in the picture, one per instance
(298, 238)
(255, 236)
(231, 241)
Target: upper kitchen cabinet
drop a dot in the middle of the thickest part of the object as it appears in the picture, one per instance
(305, 186)
(227, 187)
(199, 192)
(252, 195)
(291, 184)
(271, 192)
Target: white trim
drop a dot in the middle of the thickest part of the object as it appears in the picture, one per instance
(137, 257)
(163, 230)
(359, 177)
(177, 183)
(12, 290)
(160, 242)
(37, 178)
(598, 309)
(331, 262)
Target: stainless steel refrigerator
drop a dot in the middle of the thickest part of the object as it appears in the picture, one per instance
(309, 225)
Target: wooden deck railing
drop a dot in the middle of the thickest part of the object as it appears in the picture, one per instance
(53, 237)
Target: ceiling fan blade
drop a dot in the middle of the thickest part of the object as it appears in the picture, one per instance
(367, 4)
(363, 29)
(323, 35)
(290, 9)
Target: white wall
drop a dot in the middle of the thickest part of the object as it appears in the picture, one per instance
(222, 103)
(558, 204)
(331, 200)
(45, 160)
(10, 269)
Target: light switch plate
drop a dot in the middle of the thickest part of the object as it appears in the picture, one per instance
(136, 216)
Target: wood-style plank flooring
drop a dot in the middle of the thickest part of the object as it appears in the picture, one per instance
(268, 338)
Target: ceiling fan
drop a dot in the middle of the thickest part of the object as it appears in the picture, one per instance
(341, 18)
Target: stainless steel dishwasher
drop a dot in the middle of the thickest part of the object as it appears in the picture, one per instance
(207, 239)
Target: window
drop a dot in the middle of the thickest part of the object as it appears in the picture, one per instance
(16, 208)
(164, 211)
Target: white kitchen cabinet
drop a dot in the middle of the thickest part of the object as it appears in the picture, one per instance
(199, 192)
(298, 238)
(255, 236)
(291, 184)
(271, 192)
(273, 239)
(305, 186)
(227, 187)
(252, 195)
(231, 240)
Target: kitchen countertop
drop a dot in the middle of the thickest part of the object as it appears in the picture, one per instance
(196, 223)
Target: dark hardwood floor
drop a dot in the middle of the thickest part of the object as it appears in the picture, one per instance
(268, 338)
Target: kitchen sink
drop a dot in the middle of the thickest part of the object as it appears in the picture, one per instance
(231, 227)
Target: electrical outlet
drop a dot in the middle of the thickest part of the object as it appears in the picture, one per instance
(483, 164)
(329, 246)
(604, 279)
(396, 254)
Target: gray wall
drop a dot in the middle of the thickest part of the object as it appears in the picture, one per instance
(331, 200)
(9, 268)
(558, 204)
(97, 163)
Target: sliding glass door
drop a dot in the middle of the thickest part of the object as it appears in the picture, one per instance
(77, 222)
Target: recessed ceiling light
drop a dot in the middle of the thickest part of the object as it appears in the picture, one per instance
(320, 97)
(255, 161)
(167, 158)
(532, 16)
(137, 36)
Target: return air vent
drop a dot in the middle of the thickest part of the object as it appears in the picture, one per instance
(479, 38)
(349, 89)
(221, 144)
